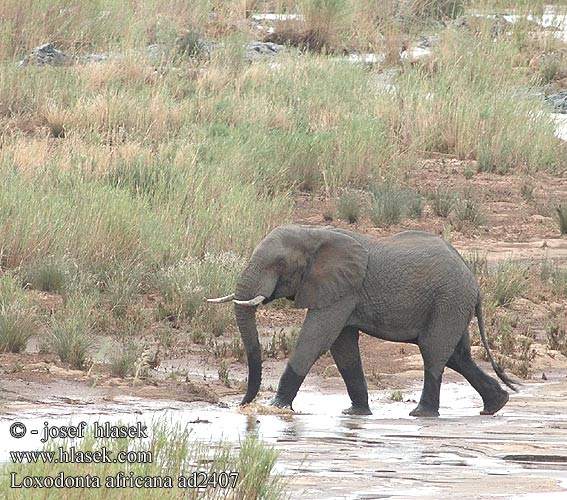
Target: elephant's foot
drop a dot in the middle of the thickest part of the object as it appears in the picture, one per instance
(491, 407)
(423, 411)
(281, 403)
(357, 410)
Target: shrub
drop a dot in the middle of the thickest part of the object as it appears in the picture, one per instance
(121, 287)
(558, 281)
(224, 373)
(173, 449)
(527, 190)
(414, 205)
(435, 9)
(191, 44)
(550, 69)
(396, 396)
(325, 22)
(462, 103)
(512, 341)
(282, 342)
(447, 233)
(184, 286)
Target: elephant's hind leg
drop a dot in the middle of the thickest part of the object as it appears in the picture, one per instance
(428, 405)
(436, 345)
(346, 354)
(492, 394)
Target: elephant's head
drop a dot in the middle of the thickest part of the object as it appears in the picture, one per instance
(312, 266)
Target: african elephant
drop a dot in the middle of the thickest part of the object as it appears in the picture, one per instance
(411, 287)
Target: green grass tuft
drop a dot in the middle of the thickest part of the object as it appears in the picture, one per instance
(18, 317)
(390, 202)
(557, 336)
(396, 396)
(123, 361)
(349, 207)
(386, 206)
(442, 201)
(49, 274)
(507, 282)
(467, 211)
(561, 217)
(71, 331)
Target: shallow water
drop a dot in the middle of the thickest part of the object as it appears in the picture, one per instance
(518, 454)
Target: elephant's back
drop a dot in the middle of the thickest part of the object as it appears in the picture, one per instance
(425, 263)
(412, 245)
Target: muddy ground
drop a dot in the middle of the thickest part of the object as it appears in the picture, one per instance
(515, 227)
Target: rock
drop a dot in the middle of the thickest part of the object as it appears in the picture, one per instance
(368, 59)
(193, 44)
(500, 25)
(427, 42)
(189, 43)
(558, 101)
(540, 219)
(256, 50)
(47, 54)
(155, 52)
(461, 22)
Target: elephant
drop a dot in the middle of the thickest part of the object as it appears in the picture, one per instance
(410, 287)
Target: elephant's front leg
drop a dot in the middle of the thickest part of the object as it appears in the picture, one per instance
(346, 354)
(318, 333)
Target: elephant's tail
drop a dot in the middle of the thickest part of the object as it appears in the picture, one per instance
(499, 371)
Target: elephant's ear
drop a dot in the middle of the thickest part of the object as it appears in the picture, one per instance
(336, 268)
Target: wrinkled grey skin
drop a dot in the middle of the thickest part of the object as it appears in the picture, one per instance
(411, 287)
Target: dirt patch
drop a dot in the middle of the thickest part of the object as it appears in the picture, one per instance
(33, 379)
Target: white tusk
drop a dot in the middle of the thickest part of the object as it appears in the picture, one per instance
(253, 302)
(220, 300)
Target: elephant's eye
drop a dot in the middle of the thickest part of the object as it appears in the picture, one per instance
(281, 263)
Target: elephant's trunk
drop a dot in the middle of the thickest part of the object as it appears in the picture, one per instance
(249, 286)
(246, 320)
